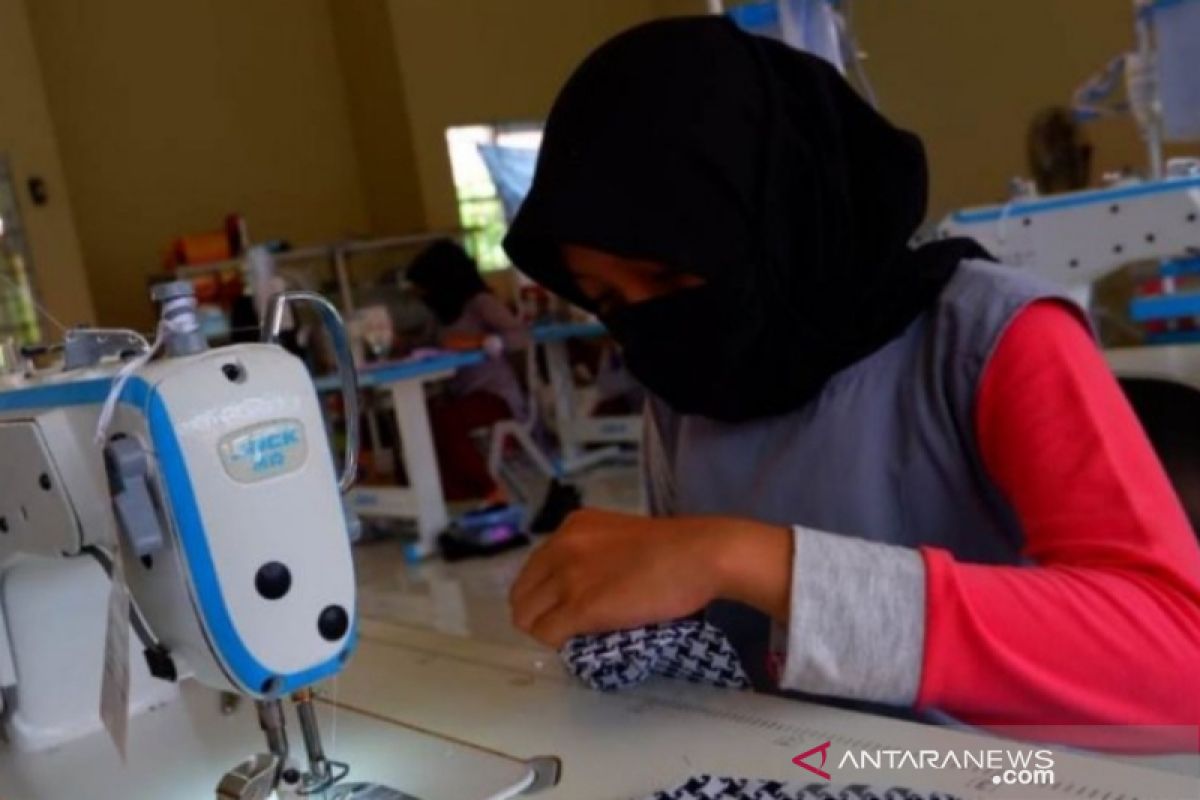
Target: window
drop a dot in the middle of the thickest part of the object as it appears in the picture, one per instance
(480, 207)
(18, 315)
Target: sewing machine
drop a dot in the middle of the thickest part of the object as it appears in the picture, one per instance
(1076, 238)
(195, 498)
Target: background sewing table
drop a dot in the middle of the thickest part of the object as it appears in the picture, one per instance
(422, 500)
(576, 430)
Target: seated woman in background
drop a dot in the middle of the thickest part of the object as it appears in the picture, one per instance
(471, 317)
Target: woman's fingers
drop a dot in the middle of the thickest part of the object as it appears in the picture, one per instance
(554, 627)
(574, 583)
(534, 602)
(538, 568)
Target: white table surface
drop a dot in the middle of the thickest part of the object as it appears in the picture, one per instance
(414, 706)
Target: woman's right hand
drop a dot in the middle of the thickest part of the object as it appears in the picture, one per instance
(604, 570)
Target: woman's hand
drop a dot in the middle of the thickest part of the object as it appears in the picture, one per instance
(604, 571)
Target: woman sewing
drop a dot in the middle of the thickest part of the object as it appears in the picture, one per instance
(470, 317)
(892, 474)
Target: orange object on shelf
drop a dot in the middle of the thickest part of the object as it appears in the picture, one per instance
(202, 248)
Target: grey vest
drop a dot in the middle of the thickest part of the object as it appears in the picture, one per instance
(886, 452)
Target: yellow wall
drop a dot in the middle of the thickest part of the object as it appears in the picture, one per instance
(28, 138)
(171, 114)
(471, 61)
(968, 76)
(379, 117)
(320, 118)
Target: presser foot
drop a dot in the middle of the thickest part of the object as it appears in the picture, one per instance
(252, 779)
(331, 773)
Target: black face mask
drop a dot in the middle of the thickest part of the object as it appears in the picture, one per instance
(700, 353)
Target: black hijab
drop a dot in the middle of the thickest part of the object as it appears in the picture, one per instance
(449, 277)
(757, 167)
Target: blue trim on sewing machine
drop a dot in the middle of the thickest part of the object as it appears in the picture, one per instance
(1179, 266)
(1173, 337)
(1165, 306)
(394, 372)
(136, 393)
(1033, 207)
(402, 370)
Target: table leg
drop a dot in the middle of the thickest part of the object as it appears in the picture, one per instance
(420, 462)
(369, 411)
(558, 365)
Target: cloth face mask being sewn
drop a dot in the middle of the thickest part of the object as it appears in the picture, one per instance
(698, 652)
(691, 650)
(708, 787)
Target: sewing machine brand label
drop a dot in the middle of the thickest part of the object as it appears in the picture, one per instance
(266, 450)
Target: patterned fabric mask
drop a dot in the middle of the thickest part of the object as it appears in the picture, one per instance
(697, 652)
(691, 650)
(709, 787)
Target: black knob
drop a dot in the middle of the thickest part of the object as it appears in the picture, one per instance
(333, 622)
(273, 580)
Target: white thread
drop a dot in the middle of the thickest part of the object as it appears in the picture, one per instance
(114, 392)
(333, 721)
(1002, 220)
(181, 323)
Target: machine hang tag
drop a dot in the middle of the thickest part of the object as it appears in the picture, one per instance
(114, 686)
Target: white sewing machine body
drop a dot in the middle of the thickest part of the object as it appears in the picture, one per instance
(1077, 238)
(237, 476)
(203, 482)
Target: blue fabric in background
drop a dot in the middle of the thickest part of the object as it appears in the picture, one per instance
(511, 169)
(1177, 34)
(809, 25)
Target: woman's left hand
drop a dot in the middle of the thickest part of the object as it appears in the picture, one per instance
(604, 571)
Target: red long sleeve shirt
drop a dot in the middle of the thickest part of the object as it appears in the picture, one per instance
(1102, 627)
